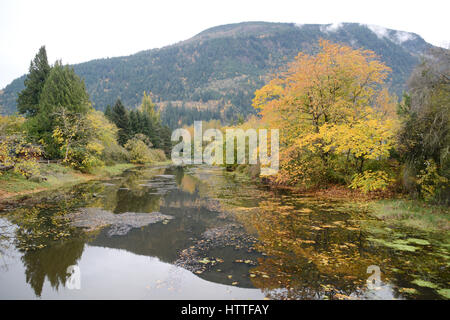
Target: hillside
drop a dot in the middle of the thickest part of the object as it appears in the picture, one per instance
(221, 67)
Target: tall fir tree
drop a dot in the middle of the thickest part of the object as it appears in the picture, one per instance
(134, 123)
(166, 142)
(149, 129)
(108, 112)
(121, 119)
(64, 88)
(63, 92)
(150, 120)
(28, 98)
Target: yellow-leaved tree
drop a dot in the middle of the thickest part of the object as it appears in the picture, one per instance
(334, 115)
(87, 141)
(16, 152)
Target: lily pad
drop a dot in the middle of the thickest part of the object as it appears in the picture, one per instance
(204, 261)
(444, 292)
(408, 290)
(418, 241)
(396, 244)
(424, 283)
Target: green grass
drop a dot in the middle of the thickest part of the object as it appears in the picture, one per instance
(14, 184)
(162, 163)
(412, 213)
(56, 175)
(113, 170)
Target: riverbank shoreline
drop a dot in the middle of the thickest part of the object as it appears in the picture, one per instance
(225, 230)
(415, 214)
(394, 209)
(55, 176)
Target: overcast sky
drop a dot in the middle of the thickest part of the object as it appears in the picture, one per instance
(81, 30)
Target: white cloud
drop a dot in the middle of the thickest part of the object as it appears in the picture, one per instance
(381, 32)
(402, 36)
(331, 27)
(396, 36)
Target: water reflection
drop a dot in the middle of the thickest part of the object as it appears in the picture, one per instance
(228, 238)
(311, 254)
(51, 264)
(318, 250)
(47, 244)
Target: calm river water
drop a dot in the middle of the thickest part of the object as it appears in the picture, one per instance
(228, 238)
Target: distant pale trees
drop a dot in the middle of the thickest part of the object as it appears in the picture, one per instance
(177, 116)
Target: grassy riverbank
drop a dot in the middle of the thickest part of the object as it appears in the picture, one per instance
(392, 209)
(388, 207)
(55, 176)
(412, 213)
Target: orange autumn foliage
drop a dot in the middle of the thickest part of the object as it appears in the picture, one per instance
(333, 114)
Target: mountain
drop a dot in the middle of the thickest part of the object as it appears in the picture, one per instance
(220, 68)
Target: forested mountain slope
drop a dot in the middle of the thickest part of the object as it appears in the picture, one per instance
(221, 67)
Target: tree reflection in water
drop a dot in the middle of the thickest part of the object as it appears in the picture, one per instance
(311, 254)
(48, 243)
(51, 263)
(310, 248)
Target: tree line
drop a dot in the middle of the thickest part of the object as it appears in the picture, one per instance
(145, 120)
(56, 120)
(177, 116)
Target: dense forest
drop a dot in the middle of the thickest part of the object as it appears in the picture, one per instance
(219, 69)
(175, 117)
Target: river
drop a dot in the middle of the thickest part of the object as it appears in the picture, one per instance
(224, 237)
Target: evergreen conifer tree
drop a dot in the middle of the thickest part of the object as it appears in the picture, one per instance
(120, 118)
(28, 98)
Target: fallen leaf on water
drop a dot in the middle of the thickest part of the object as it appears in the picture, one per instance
(408, 290)
(204, 261)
